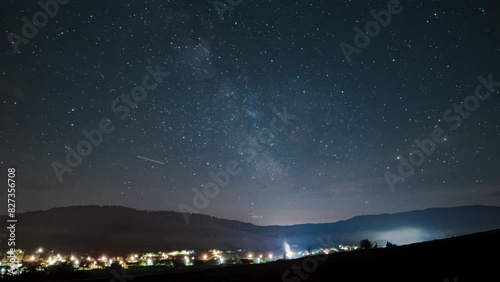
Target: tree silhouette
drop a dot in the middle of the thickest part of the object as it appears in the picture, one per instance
(116, 265)
(365, 244)
(390, 245)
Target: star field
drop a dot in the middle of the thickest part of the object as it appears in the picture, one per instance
(353, 121)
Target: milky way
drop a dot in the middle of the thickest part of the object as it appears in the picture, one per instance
(228, 79)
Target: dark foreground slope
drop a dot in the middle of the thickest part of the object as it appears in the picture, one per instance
(467, 258)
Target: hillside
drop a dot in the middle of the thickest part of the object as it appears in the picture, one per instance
(465, 258)
(123, 230)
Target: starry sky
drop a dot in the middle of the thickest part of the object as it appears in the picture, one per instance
(228, 77)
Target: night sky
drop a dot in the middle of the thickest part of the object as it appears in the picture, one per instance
(229, 81)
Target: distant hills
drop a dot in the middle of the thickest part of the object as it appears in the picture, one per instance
(121, 230)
